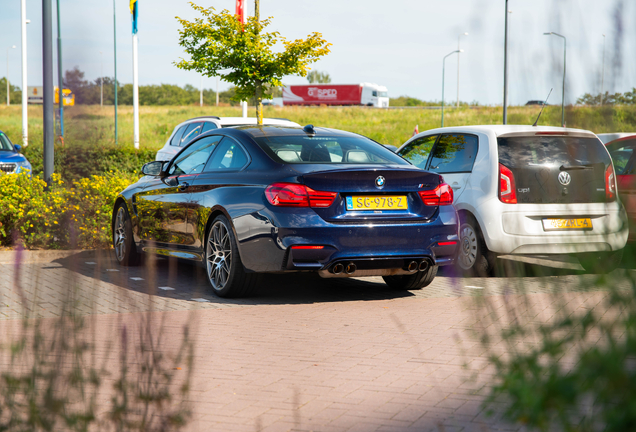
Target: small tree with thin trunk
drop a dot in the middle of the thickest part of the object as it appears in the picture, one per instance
(317, 77)
(243, 54)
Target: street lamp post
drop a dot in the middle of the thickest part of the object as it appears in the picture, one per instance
(603, 73)
(505, 78)
(8, 87)
(101, 80)
(563, 92)
(443, 76)
(458, 38)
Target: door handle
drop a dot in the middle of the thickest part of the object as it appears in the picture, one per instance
(183, 186)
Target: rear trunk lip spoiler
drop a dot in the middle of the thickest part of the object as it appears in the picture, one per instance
(529, 134)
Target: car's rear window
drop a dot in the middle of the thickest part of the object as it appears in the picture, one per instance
(327, 149)
(536, 162)
(622, 153)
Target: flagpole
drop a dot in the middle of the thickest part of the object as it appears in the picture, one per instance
(60, 77)
(135, 91)
(240, 12)
(25, 112)
(135, 74)
(115, 56)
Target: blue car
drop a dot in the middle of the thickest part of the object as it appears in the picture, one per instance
(11, 161)
(248, 200)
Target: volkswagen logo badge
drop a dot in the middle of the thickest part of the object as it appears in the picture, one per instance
(565, 178)
(379, 182)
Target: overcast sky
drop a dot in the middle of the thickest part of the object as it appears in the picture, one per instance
(398, 43)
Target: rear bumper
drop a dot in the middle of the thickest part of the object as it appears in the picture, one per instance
(518, 229)
(372, 246)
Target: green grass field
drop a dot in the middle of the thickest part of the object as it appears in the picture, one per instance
(94, 125)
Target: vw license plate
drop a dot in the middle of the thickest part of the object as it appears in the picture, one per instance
(377, 202)
(567, 224)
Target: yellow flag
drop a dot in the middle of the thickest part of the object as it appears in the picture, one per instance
(132, 6)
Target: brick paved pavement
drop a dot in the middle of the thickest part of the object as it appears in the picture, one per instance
(304, 353)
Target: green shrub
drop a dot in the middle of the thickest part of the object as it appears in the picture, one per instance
(75, 214)
(74, 162)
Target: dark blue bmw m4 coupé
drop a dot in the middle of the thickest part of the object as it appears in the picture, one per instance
(250, 200)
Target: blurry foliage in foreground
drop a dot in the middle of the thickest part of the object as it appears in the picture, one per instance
(65, 373)
(574, 372)
(75, 215)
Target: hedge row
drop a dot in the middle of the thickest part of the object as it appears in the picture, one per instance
(73, 214)
(75, 162)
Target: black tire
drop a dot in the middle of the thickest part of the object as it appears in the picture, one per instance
(473, 256)
(223, 265)
(600, 262)
(123, 242)
(414, 281)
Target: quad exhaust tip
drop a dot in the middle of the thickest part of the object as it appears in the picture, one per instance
(338, 268)
(423, 265)
(351, 268)
(412, 266)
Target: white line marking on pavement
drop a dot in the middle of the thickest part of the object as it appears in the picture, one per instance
(201, 300)
(90, 263)
(166, 288)
(136, 278)
(112, 270)
(474, 287)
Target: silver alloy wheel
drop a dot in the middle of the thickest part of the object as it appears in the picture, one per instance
(119, 240)
(467, 247)
(219, 255)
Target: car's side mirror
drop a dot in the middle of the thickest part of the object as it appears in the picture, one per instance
(391, 147)
(154, 168)
(17, 147)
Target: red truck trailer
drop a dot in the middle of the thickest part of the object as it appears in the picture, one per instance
(336, 94)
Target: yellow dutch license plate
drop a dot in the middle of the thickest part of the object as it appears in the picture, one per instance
(377, 202)
(567, 224)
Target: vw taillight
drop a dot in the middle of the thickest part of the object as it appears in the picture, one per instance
(610, 183)
(297, 195)
(441, 195)
(507, 191)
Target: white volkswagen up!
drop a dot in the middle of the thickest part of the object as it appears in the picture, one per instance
(527, 190)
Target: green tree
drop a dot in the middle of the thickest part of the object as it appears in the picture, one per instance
(317, 77)
(243, 54)
(627, 98)
(14, 92)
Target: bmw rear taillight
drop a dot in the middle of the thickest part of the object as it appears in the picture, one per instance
(297, 195)
(610, 183)
(441, 195)
(507, 191)
(320, 198)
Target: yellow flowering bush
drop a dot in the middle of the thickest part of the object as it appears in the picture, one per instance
(75, 215)
(92, 205)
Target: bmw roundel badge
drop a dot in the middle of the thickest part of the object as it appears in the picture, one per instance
(379, 182)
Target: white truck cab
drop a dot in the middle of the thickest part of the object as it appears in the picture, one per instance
(374, 95)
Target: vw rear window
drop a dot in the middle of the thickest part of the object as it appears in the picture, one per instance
(556, 169)
(545, 150)
(327, 149)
